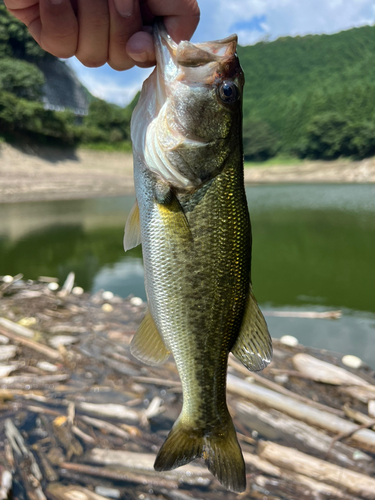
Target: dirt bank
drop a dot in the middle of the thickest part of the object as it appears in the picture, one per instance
(315, 172)
(51, 174)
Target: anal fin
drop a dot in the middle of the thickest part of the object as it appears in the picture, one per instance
(253, 346)
(132, 237)
(147, 344)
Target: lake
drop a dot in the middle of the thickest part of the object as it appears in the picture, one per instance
(313, 250)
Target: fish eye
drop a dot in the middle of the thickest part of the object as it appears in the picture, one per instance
(228, 92)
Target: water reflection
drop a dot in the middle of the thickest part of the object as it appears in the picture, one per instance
(314, 247)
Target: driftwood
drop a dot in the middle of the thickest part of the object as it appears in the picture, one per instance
(6, 481)
(298, 487)
(82, 435)
(121, 475)
(363, 438)
(320, 371)
(7, 284)
(49, 472)
(16, 328)
(106, 426)
(99, 370)
(294, 482)
(61, 492)
(63, 433)
(317, 469)
(277, 426)
(68, 285)
(32, 382)
(362, 393)
(357, 416)
(371, 408)
(110, 410)
(5, 370)
(144, 463)
(305, 314)
(7, 352)
(36, 346)
(278, 388)
(27, 465)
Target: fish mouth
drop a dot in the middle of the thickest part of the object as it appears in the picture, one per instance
(208, 59)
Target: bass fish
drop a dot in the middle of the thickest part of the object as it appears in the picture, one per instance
(192, 218)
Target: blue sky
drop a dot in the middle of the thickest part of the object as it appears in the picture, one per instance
(252, 20)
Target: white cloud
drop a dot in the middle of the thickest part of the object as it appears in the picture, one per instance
(110, 85)
(283, 17)
(108, 90)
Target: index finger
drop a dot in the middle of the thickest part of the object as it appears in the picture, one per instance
(181, 17)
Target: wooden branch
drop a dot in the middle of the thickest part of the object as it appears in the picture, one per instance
(275, 426)
(321, 371)
(363, 438)
(317, 469)
(305, 314)
(36, 346)
(278, 388)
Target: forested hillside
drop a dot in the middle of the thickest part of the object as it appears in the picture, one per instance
(313, 94)
(23, 115)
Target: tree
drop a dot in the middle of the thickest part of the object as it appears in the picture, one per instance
(260, 142)
(109, 118)
(21, 78)
(15, 40)
(331, 135)
(326, 137)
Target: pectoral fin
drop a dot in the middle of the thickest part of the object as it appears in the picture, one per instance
(132, 237)
(173, 216)
(147, 344)
(253, 346)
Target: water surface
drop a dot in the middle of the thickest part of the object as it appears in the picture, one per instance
(313, 249)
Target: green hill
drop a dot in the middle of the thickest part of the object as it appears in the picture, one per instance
(41, 99)
(291, 81)
(311, 96)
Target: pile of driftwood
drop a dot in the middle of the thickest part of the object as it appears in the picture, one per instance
(81, 419)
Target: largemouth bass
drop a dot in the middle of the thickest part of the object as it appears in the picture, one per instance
(192, 218)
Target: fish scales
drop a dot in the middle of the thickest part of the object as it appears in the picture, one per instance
(192, 218)
(198, 288)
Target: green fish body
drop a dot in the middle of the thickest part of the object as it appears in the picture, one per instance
(192, 218)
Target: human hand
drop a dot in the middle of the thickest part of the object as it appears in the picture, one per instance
(98, 31)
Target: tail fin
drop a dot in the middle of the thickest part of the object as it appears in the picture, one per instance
(220, 451)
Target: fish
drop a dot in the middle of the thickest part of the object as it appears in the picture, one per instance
(192, 219)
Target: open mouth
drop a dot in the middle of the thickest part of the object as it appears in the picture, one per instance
(190, 62)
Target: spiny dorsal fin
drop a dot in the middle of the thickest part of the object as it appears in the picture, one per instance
(132, 237)
(147, 344)
(253, 346)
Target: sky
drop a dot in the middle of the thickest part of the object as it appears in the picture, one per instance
(252, 20)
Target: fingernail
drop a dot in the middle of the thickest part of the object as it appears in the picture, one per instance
(140, 57)
(125, 7)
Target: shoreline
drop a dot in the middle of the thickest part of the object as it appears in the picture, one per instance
(50, 174)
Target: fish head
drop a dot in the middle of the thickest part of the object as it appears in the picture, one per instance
(188, 119)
